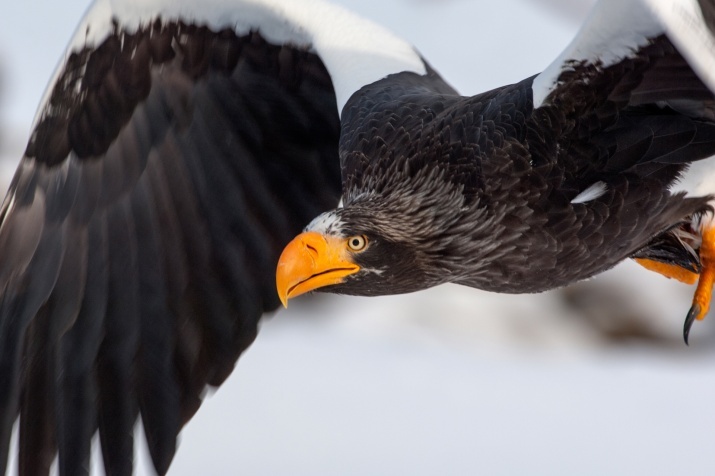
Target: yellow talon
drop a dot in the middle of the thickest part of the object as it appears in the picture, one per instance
(703, 293)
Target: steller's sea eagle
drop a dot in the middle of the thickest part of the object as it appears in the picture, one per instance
(182, 145)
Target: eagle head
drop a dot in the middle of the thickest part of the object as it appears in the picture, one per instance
(350, 251)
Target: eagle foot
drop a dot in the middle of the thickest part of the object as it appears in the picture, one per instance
(703, 293)
(668, 270)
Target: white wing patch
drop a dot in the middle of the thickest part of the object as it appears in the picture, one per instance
(684, 24)
(591, 193)
(355, 51)
(612, 32)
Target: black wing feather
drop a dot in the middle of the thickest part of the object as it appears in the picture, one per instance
(76, 388)
(157, 385)
(37, 429)
(115, 361)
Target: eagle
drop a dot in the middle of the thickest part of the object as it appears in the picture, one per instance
(182, 146)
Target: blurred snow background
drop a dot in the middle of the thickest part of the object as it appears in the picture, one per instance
(593, 379)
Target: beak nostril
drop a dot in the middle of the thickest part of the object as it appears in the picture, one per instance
(313, 251)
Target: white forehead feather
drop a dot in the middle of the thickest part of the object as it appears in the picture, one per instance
(327, 223)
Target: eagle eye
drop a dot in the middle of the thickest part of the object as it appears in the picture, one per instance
(357, 243)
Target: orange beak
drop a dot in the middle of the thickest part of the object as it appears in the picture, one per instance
(312, 261)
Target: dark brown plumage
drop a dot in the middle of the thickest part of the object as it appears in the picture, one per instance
(504, 219)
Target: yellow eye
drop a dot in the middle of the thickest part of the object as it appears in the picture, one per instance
(357, 243)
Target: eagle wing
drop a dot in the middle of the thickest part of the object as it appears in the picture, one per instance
(634, 65)
(634, 92)
(168, 166)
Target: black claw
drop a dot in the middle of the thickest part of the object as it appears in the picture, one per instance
(689, 319)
